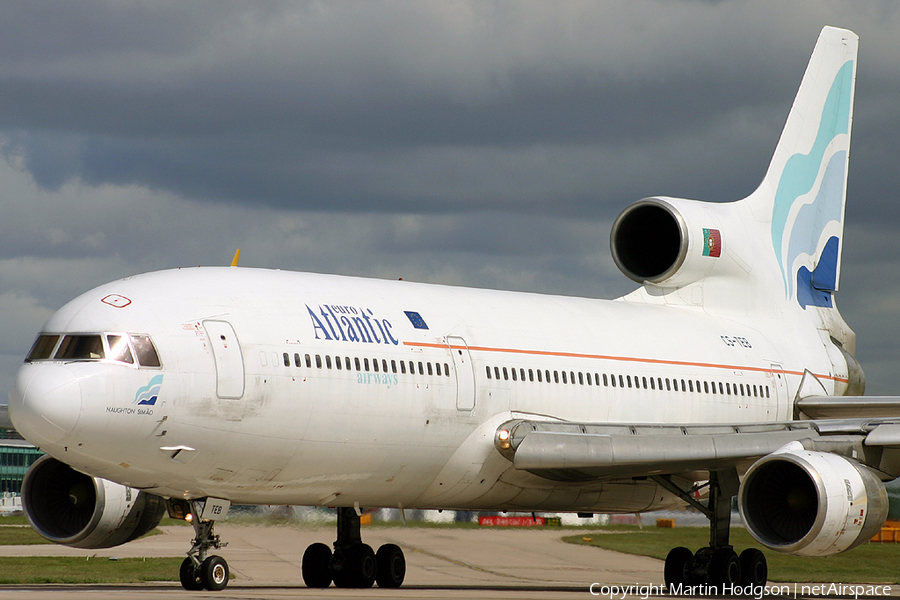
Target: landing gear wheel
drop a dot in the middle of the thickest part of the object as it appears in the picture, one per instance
(677, 569)
(724, 568)
(190, 576)
(214, 573)
(354, 567)
(754, 569)
(316, 566)
(391, 566)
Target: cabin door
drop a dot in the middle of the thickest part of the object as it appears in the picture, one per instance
(229, 361)
(465, 373)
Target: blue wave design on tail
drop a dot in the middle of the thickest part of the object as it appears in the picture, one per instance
(801, 171)
(148, 394)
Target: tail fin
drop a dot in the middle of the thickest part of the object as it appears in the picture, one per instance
(804, 191)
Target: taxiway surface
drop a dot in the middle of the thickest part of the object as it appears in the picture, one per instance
(441, 563)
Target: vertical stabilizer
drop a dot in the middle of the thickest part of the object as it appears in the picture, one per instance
(804, 190)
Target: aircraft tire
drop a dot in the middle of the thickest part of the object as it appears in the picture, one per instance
(214, 573)
(354, 567)
(724, 568)
(190, 576)
(677, 568)
(316, 566)
(391, 566)
(754, 569)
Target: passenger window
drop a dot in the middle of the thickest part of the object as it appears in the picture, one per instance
(429, 369)
(421, 368)
(488, 371)
(42, 348)
(296, 359)
(287, 360)
(580, 378)
(446, 369)
(393, 366)
(513, 373)
(497, 373)
(308, 362)
(80, 347)
(539, 376)
(318, 361)
(119, 349)
(403, 367)
(145, 350)
(505, 374)
(338, 363)
(347, 363)
(564, 380)
(437, 367)
(356, 362)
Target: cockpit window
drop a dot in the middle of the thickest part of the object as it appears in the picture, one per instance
(80, 347)
(108, 347)
(145, 350)
(119, 350)
(42, 348)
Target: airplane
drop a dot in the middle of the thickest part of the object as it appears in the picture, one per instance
(728, 372)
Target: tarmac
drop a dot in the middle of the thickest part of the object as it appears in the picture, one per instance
(489, 562)
(441, 563)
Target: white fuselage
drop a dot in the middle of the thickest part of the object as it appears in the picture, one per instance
(290, 388)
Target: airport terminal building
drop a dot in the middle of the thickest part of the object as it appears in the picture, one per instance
(16, 455)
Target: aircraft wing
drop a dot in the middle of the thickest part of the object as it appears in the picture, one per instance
(579, 452)
(848, 407)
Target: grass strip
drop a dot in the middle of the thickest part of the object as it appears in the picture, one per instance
(71, 569)
(868, 563)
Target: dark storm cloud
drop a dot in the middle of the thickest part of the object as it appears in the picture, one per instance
(374, 107)
(475, 143)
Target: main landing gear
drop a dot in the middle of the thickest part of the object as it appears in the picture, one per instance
(352, 564)
(718, 564)
(200, 570)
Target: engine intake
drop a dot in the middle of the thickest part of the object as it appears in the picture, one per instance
(811, 503)
(664, 241)
(73, 509)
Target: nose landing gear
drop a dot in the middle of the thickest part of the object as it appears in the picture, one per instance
(353, 564)
(200, 570)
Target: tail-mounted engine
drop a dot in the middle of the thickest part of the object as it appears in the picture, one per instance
(667, 241)
(73, 509)
(811, 503)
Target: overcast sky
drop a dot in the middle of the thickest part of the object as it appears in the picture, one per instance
(474, 143)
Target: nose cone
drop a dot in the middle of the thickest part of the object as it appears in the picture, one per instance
(45, 402)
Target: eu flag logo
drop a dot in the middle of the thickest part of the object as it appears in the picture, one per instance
(416, 319)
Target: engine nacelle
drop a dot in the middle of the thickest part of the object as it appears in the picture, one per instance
(811, 503)
(73, 509)
(667, 241)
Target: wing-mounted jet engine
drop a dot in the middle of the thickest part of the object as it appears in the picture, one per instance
(74, 509)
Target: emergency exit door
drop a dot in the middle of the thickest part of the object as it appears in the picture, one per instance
(465, 373)
(229, 361)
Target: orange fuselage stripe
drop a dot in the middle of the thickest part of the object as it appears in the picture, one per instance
(631, 359)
